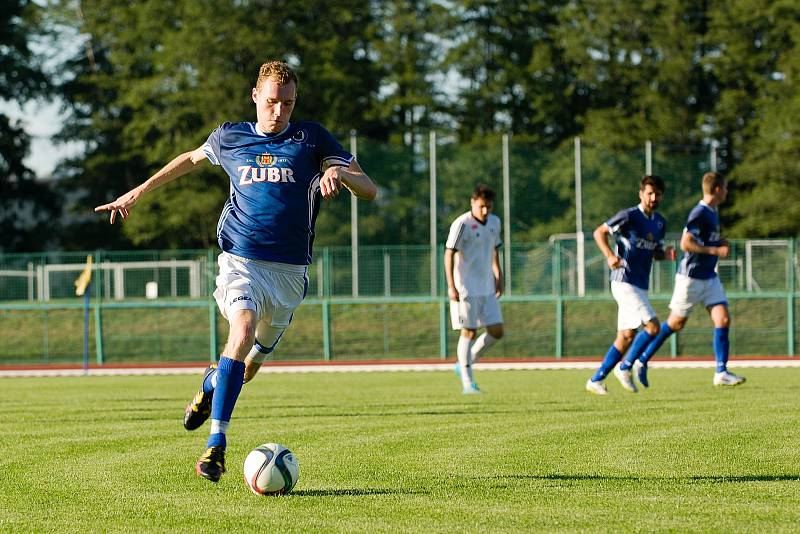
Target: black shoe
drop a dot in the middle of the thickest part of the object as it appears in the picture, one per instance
(199, 409)
(212, 464)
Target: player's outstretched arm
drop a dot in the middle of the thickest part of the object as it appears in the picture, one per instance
(498, 274)
(179, 166)
(353, 177)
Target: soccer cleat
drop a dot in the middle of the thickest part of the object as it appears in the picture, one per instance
(472, 389)
(626, 379)
(598, 388)
(641, 373)
(727, 379)
(199, 409)
(212, 464)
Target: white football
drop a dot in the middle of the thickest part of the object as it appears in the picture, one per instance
(270, 469)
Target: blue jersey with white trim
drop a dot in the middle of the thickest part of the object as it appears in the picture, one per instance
(637, 237)
(274, 194)
(703, 224)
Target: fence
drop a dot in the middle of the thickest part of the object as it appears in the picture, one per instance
(390, 313)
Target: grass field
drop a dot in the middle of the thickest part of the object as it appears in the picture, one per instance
(406, 452)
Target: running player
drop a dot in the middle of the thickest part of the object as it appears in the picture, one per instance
(278, 173)
(474, 282)
(639, 232)
(697, 282)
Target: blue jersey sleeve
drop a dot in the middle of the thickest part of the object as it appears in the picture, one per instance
(695, 225)
(618, 221)
(331, 153)
(211, 147)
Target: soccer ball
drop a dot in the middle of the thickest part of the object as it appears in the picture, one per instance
(270, 469)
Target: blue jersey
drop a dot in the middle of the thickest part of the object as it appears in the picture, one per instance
(274, 195)
(703, 224)
(637, 236)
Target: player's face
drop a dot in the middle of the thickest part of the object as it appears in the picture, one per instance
(481, 208)
(651, 198)
(721, 193)
(274, 105)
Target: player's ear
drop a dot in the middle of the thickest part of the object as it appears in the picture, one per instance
(254, 95)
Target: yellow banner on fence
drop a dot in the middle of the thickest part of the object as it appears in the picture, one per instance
(85, 277)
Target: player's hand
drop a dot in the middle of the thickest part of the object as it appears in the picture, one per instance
(452, 293)
(613, 262)
(670, 254)
(122, 205)
(498, 288)
(331, 182)
(722, 250)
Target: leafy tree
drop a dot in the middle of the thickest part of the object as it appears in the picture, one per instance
(28, 206)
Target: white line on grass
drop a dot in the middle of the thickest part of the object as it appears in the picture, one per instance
(382, 367)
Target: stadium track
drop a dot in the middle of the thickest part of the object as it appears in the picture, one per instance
(495, 364)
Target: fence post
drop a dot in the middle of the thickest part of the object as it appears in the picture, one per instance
(98, 314)
(354, 223)
(559, 327)
(433, 237)
(507, 214)
(790, 302)
(326, 329)
(581, 259)
(443, 328)
(212, 308)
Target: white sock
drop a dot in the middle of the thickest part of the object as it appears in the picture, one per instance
(481, 345)
(464, 353)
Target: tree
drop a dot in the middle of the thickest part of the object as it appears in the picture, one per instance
(28, 207)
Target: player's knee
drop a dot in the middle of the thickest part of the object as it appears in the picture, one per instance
(675, 323)
(626, 336)
(652, 328)
(496, 331)
(722, 322)
(467, 333)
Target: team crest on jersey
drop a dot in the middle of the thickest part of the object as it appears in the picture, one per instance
(299, 136)
(265, 159)
(649, 236)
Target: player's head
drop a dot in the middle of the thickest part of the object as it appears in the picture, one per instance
(651, 192)
(275, 94)
(715, 185)
(482, 202)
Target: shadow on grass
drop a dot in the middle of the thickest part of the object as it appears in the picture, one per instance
(716, 479)
(355, 492)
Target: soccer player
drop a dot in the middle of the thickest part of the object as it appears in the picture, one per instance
(639, 234)
(278, 172)
(697, 282)
(474, 282)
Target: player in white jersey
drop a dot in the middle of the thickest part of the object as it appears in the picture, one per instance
(474, 282)
(278, 173)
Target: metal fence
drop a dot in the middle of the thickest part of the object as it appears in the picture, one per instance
(157, 306)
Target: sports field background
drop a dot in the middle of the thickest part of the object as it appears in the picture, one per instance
(402, 452)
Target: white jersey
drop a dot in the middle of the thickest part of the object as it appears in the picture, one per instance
(474, 243)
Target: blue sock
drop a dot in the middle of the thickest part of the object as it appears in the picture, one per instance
(656, 343)
(209, 381)
(641, 341)
(230, 377)
(721, 348)
(613, 356)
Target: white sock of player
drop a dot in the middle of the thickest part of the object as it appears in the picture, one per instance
(481, 345)
(464, 352)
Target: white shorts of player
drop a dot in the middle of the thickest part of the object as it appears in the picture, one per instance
(272, 290)
(475, 312)
(690, 292)
(634, 305)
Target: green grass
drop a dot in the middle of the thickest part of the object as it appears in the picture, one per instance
(406, 452)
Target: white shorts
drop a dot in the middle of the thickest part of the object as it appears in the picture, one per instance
(475, 312)
(634, 306)
(690, 292)
(272, 290)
